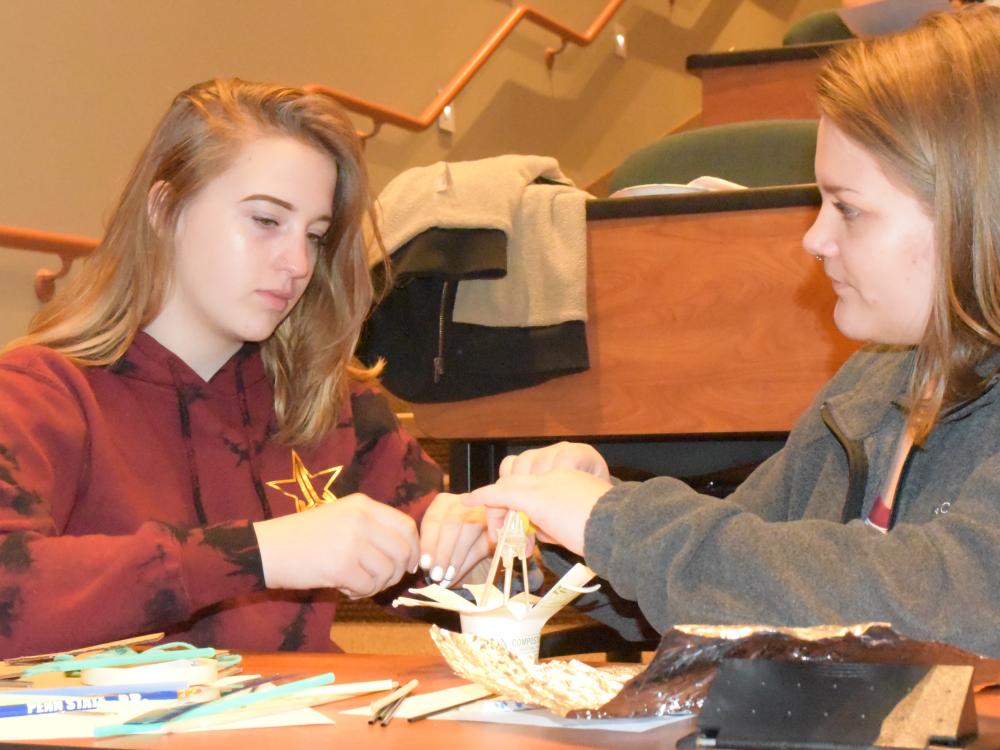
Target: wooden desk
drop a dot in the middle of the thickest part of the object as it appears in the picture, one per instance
(354, 731)
(761, 84)
(705, 317)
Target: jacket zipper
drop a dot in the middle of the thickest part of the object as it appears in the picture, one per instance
(442, 311)
(857, 467)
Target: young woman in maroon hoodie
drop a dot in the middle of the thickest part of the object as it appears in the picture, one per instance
(193, 387)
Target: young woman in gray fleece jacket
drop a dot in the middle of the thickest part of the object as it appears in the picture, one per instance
(885, 503)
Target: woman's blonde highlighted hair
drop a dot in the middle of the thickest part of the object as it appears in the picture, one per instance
(121, 287)
(926, 104)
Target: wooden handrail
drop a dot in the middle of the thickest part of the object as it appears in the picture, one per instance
(381, 114)
(68, 247)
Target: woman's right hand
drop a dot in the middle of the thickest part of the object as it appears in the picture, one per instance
(562, 455)
(558, 503)
(539, 461)
(356, 545)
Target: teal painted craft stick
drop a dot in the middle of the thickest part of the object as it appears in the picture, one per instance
(219, 705)
(245, 698)
(113, 730)
(119, 660)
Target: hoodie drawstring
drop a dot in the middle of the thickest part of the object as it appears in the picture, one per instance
(185, 418)
(183, 399)
(245, 420)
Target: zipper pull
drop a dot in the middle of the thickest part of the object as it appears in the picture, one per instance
(442, 314)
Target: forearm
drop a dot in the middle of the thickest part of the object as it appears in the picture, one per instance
(689, 558)
(65, 591)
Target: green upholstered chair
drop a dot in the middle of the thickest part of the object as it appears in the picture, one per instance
(759, 153)
(824, 26)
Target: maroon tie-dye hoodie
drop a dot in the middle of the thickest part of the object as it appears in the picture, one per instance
(127, 495)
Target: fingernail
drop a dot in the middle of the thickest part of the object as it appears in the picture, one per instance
(446, 582)
(437, 573)
(450, 573)
(425, 561)
(415, 567)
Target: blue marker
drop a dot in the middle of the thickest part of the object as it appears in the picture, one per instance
(58, 705)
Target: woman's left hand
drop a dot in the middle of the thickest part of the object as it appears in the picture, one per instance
(452, 539)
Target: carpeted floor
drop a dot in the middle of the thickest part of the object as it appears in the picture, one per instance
(382, 637)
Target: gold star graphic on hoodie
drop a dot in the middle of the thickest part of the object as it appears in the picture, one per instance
(301, 476)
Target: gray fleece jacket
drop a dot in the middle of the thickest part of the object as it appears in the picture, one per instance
(789, 546)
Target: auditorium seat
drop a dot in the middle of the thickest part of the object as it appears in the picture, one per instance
(760, 153)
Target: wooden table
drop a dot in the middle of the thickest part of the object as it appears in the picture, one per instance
(354, 731)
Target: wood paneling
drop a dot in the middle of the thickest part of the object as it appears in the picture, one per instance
(762, 91)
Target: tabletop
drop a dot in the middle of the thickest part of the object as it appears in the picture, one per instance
(433, 674)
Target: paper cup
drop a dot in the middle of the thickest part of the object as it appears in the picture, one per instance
(520, 637)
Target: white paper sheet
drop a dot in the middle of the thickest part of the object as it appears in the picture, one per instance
(499, 712)
(539, 717)
(417, 705)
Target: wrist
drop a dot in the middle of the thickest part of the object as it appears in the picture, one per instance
(269, 545)
(219, 562)
(598, 529)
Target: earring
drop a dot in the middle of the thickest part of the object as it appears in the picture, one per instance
(819, 258)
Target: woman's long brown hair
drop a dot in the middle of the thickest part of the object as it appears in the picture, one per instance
(121, 287)
(926, 104)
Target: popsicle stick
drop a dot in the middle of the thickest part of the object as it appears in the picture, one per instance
(253, 711)
(378, 706)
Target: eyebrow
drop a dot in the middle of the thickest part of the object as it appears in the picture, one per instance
(837, 188)
(278, 202)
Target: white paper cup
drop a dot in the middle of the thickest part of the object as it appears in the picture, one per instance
(520, 637)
